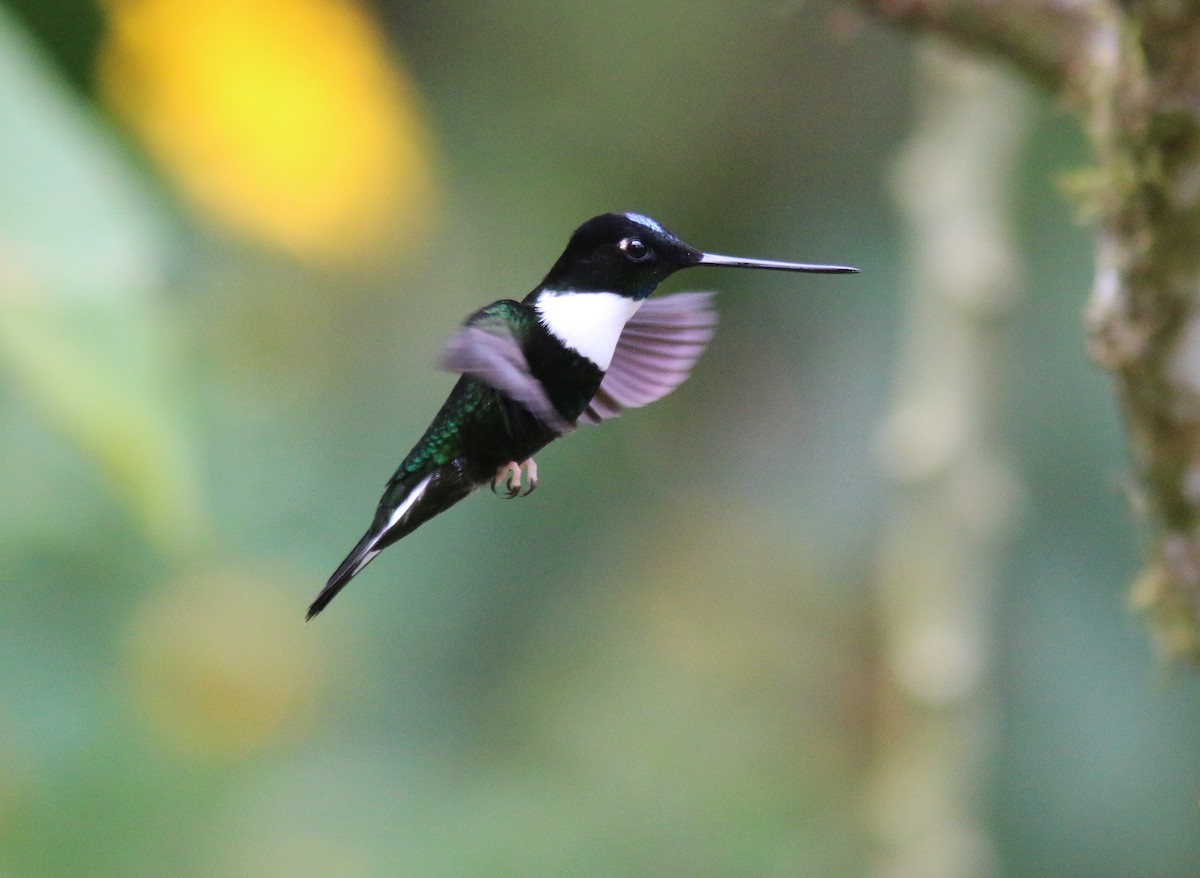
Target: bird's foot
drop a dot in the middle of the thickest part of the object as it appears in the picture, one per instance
(509, 476)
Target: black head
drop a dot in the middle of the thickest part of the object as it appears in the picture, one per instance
(624, 253)
(631, 254)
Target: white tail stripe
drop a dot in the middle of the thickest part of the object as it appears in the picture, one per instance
(399, 513)
(365, 559)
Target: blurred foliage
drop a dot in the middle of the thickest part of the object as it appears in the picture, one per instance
(217, 666)
(660, 664)
(283, 117)
(82, 253)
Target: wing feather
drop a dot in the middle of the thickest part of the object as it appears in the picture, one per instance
(655, 354)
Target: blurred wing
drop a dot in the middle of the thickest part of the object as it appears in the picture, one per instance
(655, 353)
(485, 348)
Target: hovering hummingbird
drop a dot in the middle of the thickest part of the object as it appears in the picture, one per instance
(585, 344)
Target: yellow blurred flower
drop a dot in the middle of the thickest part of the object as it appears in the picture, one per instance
(286, 118)
(221, 665)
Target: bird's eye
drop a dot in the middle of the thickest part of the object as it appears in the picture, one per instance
(635, 249)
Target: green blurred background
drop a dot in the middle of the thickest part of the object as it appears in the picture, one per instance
(232, 236)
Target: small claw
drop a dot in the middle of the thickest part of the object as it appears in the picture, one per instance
(508, 475)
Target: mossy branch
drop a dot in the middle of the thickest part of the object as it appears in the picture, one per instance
(1045, 39)
(1131, 71)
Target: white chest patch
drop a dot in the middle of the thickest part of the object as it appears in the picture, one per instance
(590, 323)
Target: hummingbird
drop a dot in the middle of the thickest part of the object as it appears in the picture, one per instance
(585, 344)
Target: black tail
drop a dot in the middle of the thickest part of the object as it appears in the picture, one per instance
(406, 505)
(360, 556)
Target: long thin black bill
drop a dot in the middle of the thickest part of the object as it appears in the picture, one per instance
(739, 262)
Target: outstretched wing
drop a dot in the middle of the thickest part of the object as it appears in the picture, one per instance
(487, 348)
(655, 353)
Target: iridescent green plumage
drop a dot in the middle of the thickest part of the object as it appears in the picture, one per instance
(477, 431)
(533, 369)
